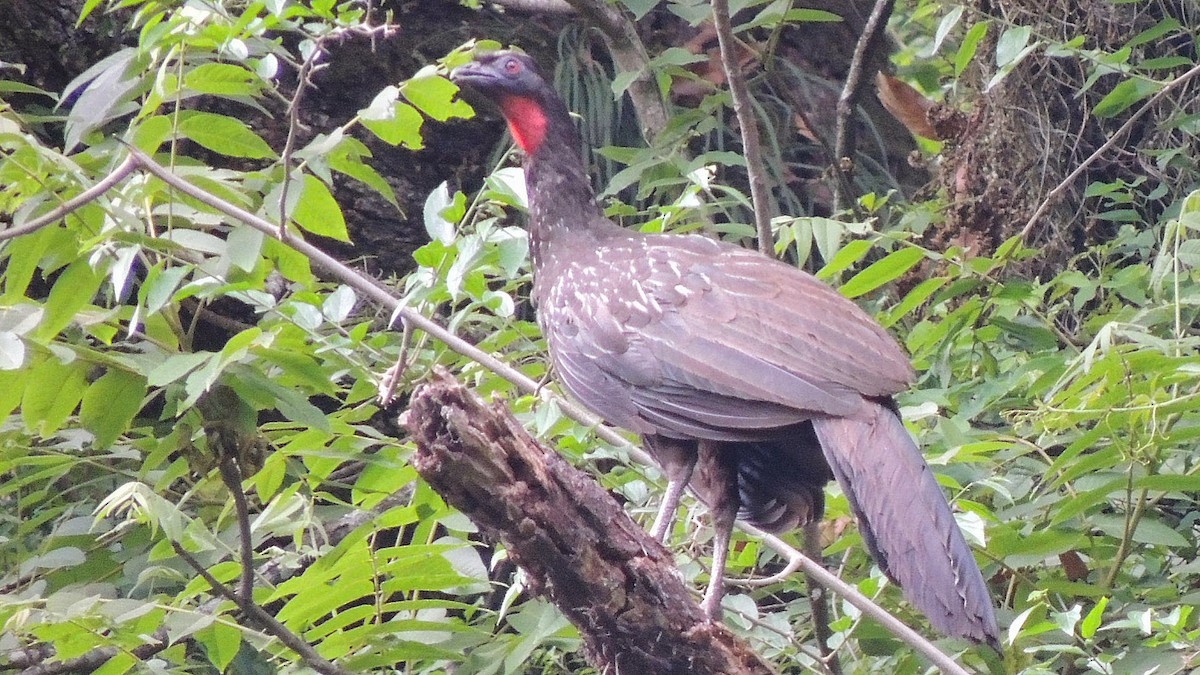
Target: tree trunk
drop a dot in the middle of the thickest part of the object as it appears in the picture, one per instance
(618, 586)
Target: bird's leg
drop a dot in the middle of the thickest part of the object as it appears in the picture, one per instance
(670, 502)
(717, 486)
(677, 462)
(722, 530)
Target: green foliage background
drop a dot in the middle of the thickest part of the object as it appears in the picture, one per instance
(1062, 415)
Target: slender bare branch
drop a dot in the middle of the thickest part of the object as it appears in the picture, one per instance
(537, 6)
(268, 623)
(231, 475)
(383, 296)
(71, 205)
(844, 140)
(829, 580)
(1057, 192)
(743, 108)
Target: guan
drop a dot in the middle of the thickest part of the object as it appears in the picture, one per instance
(749, 380)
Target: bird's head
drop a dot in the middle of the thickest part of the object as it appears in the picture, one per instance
(512, 81)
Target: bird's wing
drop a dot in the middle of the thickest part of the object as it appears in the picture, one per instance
(777, 314)
(705, 340)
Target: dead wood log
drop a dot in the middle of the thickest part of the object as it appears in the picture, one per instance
(579, 549)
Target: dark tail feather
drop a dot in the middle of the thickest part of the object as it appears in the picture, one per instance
(905, 520)
(781, 481)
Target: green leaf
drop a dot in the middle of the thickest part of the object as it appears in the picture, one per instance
(12, 389)
(346, 158)
(1149, 530)
(45, 407)
(1124, 95)
(914, 299)
(1170, 482)
(392, 121)
(1011, 43)
(436, 225)
(12, 351)
(847, 256)
(1155, 32)
(639, 8)
(110, 404)
(150, 133)
(970, 45)
(160, 286)
(245, 247)
(882, 271)
(222, 79)
(221, 642)
(73, 290)
(23, 255)
(106, 88)
(435, 96)
(270, 477)
(1091, 622)
(318, 212)
(225, 135)
(176, 367)
(947, 24)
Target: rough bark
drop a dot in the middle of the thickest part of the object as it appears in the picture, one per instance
(618, 586)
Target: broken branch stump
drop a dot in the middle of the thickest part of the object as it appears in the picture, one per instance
(577, 546)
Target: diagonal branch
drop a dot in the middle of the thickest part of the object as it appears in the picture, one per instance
(75, 203)
(268, 623)
(743, 108)
(1112, 140)
(383, 296)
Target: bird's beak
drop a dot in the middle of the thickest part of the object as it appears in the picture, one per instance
(473, 74)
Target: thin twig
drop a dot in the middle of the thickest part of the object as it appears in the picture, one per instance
(231, 475)
(71, 205)
(818, 599)
(799, 106)
(391, 378)
(829, 580)
(743, 108)
(289, 145)
(1054, 194)
(844, 140)
(268, 623)
(537, 6)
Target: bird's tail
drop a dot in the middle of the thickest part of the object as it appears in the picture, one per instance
(905, 521)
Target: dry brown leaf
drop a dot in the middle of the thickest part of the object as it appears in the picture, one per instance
(906, 104)
(1073, 565)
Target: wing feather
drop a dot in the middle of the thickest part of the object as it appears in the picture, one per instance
(689, 337)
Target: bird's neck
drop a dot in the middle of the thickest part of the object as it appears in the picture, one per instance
(563, 212)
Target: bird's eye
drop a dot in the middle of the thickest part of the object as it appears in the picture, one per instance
(512, 66)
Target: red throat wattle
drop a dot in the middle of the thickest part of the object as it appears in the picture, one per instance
(526, 121)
